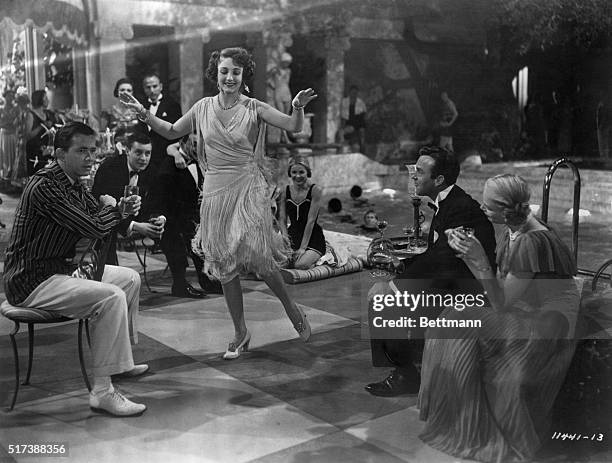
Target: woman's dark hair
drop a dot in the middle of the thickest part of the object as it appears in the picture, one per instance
(23, 99)
(38, 97)
(123, 80)
(239, 55)
(334, 205)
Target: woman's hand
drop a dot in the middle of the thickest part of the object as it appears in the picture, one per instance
(179, 161)
(468, 248)
(129, 101)
(297, 254)
(303, 98)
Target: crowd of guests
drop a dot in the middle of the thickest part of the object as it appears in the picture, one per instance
(26, 134)
(484, 394)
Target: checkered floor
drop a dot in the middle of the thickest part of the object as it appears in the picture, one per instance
(285, 401)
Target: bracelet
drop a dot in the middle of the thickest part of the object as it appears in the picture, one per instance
(143, 115)
(297, 106)
(484, 269)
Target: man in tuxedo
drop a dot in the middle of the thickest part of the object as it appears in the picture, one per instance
(437, 269)
(133, 169)
(165, 108)
(177, 195)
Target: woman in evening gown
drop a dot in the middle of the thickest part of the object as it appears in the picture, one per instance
(237, 231)
(487, 394)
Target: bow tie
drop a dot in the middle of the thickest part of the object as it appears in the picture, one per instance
(133, 172)
(433, 207)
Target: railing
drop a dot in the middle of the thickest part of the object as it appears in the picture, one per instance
(575, 208)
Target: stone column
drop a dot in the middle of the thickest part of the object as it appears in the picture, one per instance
(80, 76)
(112, 37)
(277, 37)
(335, 46)
(192, 66)
(260, 55)
(34, 64)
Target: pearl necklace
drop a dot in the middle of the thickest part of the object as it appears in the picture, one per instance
(230, 106)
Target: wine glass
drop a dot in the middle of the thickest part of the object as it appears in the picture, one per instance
(381, 225)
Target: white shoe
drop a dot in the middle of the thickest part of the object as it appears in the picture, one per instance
(115, 403)
(136, 371)
(233, 351)
(303, 327)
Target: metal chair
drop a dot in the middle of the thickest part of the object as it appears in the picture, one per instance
(142, 258)
(32, 315)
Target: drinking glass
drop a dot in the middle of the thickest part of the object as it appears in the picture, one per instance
(128, 191)
(468, 231)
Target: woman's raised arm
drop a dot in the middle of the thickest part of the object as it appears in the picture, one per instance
(168, 130)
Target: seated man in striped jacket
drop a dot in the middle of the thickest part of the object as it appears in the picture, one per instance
(55, 212)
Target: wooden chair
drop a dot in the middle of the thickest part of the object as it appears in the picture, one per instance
(31, 315)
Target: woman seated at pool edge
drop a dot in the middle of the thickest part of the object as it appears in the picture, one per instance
(300, 202)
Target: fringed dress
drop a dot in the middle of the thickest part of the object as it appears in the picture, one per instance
(487, 395)
(237, 232)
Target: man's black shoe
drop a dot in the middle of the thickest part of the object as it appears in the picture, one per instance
(393, 385)
(188, 291)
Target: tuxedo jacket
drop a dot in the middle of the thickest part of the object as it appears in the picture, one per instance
(440, 261)
(170, 111)
(176, 194)
(110, 179)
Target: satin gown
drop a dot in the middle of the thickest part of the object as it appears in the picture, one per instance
(487, 394)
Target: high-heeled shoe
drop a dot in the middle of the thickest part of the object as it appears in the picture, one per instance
(233, 351)
(303, 327)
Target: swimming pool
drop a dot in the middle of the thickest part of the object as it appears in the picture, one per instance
(594, 232)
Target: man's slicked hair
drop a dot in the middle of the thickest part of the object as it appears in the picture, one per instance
(138, 137)
(445, 163)
(65, 134)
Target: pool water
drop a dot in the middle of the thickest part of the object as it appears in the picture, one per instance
(594, 233)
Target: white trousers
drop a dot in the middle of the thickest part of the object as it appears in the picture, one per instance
(109, 304)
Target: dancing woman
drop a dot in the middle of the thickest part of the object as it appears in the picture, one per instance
(237, 231)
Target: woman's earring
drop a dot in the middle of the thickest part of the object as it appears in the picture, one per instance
(246, 88)
(219, 87)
